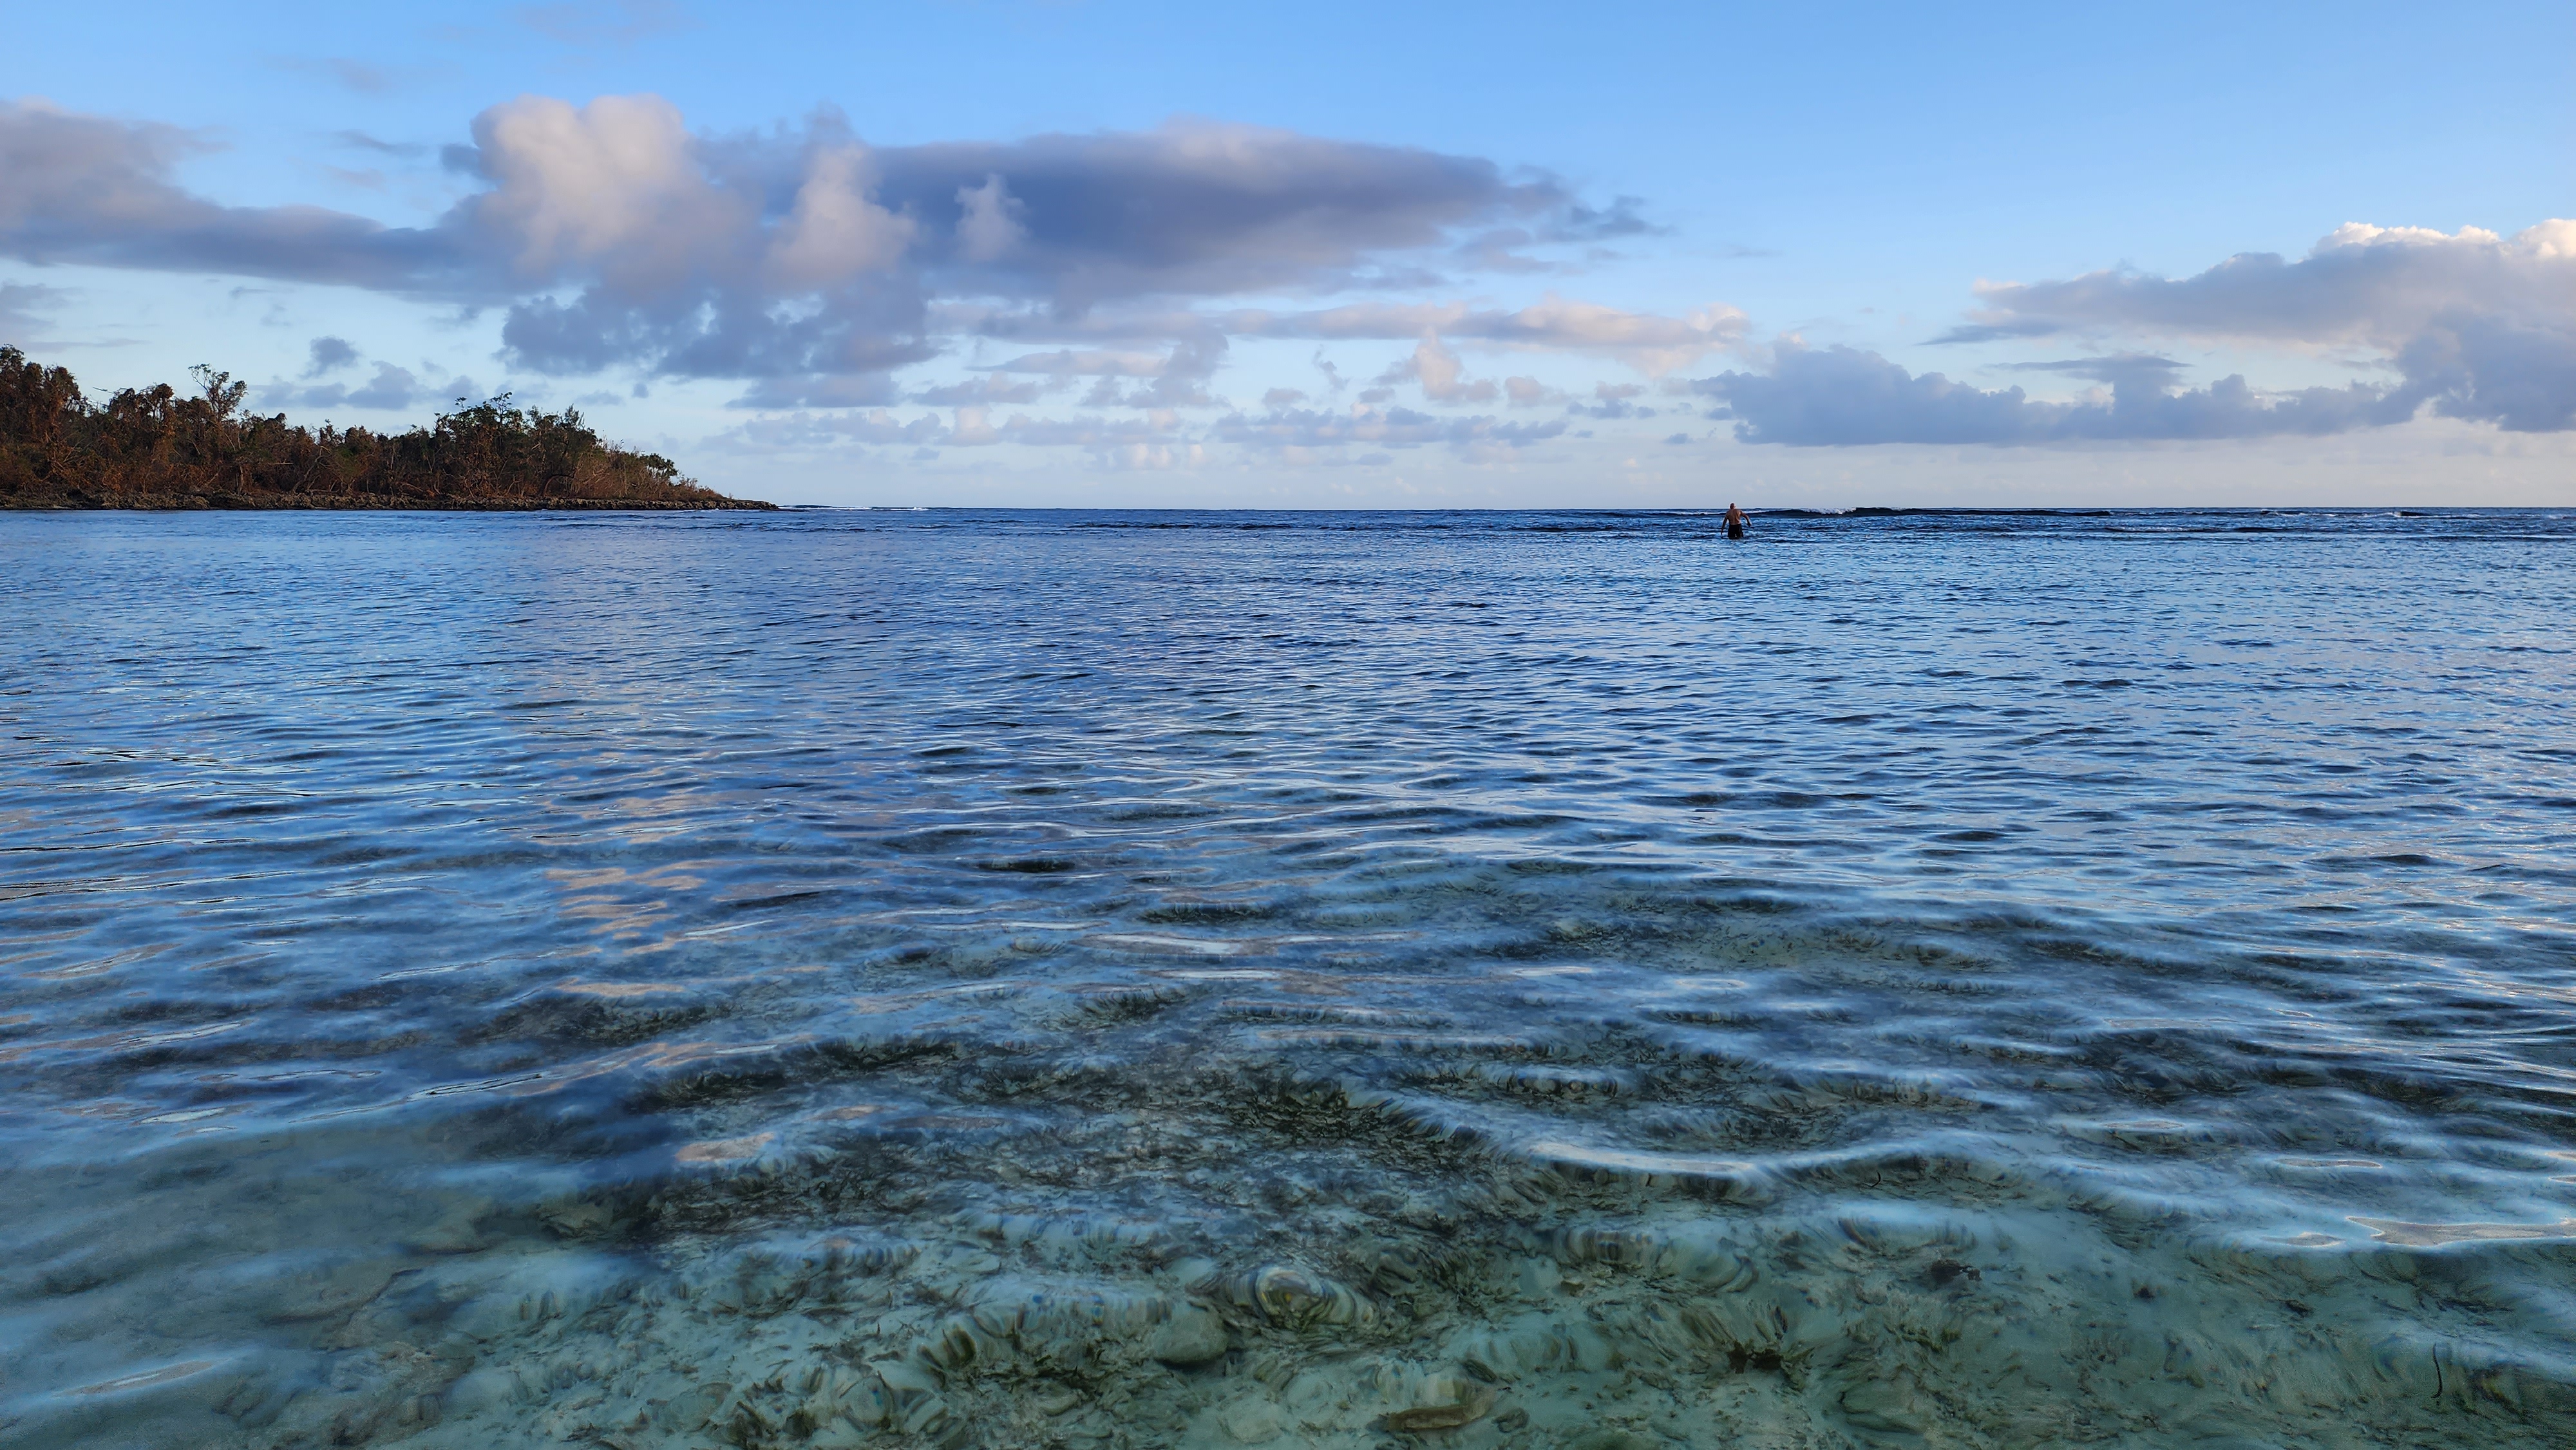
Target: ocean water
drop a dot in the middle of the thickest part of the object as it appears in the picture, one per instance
(1092, 979)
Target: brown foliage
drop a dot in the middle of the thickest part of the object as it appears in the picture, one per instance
(153, 448)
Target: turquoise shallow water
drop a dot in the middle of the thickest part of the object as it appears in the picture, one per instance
(1165, 979)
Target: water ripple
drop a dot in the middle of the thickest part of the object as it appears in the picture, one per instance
(1141, 979)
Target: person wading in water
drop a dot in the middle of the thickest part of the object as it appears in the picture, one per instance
(1734, 522)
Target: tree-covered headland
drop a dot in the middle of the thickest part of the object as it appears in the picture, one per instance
(155, 448)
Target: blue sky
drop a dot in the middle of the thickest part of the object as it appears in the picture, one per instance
(1107, 253)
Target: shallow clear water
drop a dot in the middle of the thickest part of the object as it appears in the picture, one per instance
(1138, 979)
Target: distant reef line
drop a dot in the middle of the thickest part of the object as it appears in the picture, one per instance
(157, 448)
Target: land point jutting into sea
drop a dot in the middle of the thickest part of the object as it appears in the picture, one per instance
(1097, 979)
(158, 448)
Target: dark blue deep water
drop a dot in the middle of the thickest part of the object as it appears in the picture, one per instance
(1098, 979)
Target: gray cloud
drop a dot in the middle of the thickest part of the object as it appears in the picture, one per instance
(1442, 376)
(2374, 286)
(391, 389)
(1647, 341)
(2474, 325)
(2517, 374)
(614, 24)
(1177, 379)
(1502, 248)
(1839, 395)
(1066, 362)
(863, 327)
(20, 302)
(803, 260)
(1385, 428)
(1621, 218)
(1193, 207)
(2128, 367)
(1611, 402)
(978, 392)
(84, 189)
(1097, 434)
(807, 430)
(2480, 326)
(1975, 332)
(820, 390)
(360, 140)
(357, 75)
(329, 354)
(1159, 438)
(1153, 441)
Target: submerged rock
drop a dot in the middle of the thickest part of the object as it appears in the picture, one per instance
(1474, 1405)
(1293, 1298)
(1888, 1407)
(1191, 1336)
